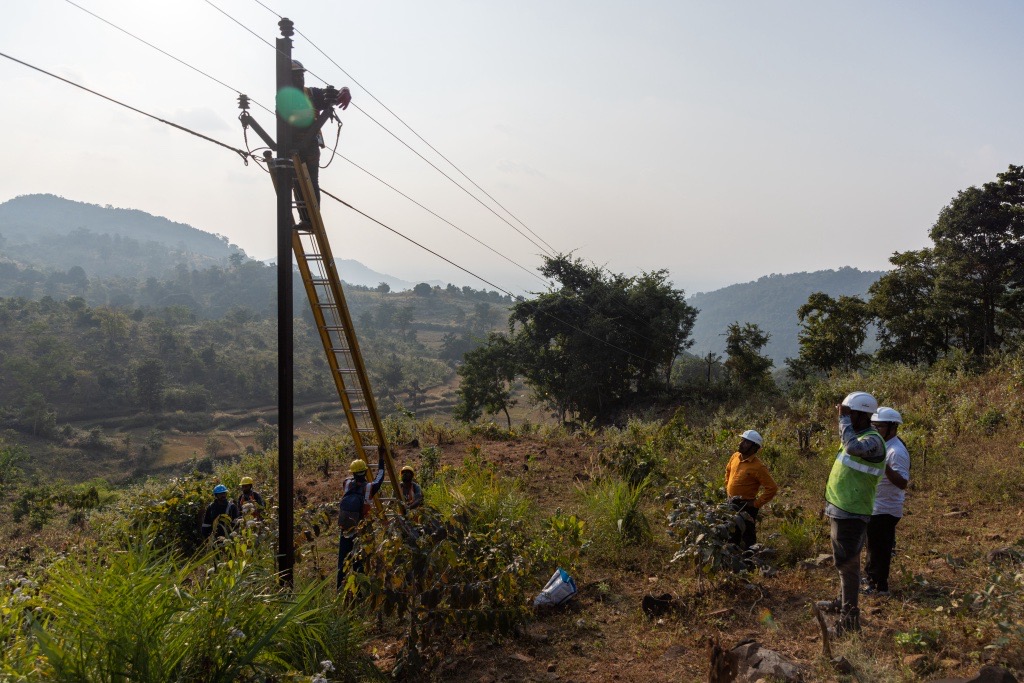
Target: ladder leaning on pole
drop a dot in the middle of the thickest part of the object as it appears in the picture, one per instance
(334, 323)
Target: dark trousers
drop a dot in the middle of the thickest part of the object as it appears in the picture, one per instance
(881, 543)
(312, 161)
(847, 542)
(344, 548)
(745, 533)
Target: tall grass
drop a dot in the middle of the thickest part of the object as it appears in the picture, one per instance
(138, 614)
(614, 511)
(479, 489)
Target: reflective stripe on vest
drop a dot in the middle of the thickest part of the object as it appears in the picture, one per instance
(860, 467)
(853, 481)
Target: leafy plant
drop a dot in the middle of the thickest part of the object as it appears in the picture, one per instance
(703, 522)
(614, 509)
(442, 577)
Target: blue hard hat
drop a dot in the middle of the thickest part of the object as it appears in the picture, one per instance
(220, 488)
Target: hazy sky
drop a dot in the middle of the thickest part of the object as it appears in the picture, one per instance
(719, 140)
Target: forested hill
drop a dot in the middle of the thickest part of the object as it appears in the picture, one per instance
(104, 241)
(771, 302)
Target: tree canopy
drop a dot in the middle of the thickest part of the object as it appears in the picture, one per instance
(594, 343)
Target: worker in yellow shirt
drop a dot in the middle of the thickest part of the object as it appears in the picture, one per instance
(745, 476)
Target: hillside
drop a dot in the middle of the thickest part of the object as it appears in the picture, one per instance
(533, 499)
(104, 241)
(771, 302)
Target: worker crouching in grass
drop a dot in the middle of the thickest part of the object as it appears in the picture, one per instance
(850, 500)
(749, 487)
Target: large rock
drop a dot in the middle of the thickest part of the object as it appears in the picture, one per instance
(753, 662)
(988, 674)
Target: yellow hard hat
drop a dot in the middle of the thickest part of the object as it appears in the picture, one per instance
(358, 466)
(246, 480)
(408, 468)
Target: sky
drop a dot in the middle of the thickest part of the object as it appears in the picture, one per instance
(721, 141)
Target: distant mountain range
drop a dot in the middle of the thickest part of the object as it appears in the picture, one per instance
(54, 235)
(771, 302)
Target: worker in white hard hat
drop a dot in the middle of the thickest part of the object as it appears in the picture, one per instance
(749, 486)
(850, 500)
(309, 146)
(889, 497)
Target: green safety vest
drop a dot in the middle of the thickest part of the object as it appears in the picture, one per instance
(853, 481)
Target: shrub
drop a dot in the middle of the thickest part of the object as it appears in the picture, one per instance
(614, 509)
(703, 522)
(144, 615)
(442, 577)
(479, 490)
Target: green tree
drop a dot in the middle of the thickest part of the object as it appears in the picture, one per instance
(600, 339)
(487, 375)
(213, 446)
(392, 375)
(150, 382)
(912, 328)
(423, 289)
(746, 366)
(832, 332)
(979, 247)
(265, 436)
(382, 288)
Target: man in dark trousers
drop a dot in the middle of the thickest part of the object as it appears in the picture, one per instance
(220, 514)
(357, 496)
(309, 146)
(749, 486)
(850, 500)
(888, 510)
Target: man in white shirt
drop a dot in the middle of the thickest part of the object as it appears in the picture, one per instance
(889, 496)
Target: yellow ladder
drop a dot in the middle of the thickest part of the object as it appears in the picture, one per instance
(334, 323)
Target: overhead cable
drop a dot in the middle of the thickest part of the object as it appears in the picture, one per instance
(245, 155)
(411, 129)
(334, 153)
(546, 249)
(478, 277)
(164, 52)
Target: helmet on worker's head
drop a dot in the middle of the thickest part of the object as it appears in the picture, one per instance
(861, 401)
(887, 415)
(220, 488)
(409, 469)
(246, 481)
(753, 437)
(358, 466)
(297, 65)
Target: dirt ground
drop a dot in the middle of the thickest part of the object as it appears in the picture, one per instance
(603, 635)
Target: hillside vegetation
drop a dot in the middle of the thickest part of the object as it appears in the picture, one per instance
(595, 502)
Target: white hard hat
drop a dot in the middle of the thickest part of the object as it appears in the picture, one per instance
(751, 435)
(887, 415)
(861, 401)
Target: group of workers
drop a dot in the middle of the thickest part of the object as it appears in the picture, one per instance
(864, 499)
(222, 513)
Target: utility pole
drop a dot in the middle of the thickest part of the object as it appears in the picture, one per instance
(285, 173)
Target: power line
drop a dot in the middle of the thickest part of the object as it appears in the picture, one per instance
(546, 249)
(417, 153)
(163, 52)
(442, 218)
(411, 129)
(478, 277)
(245, 155)
(200, 71)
